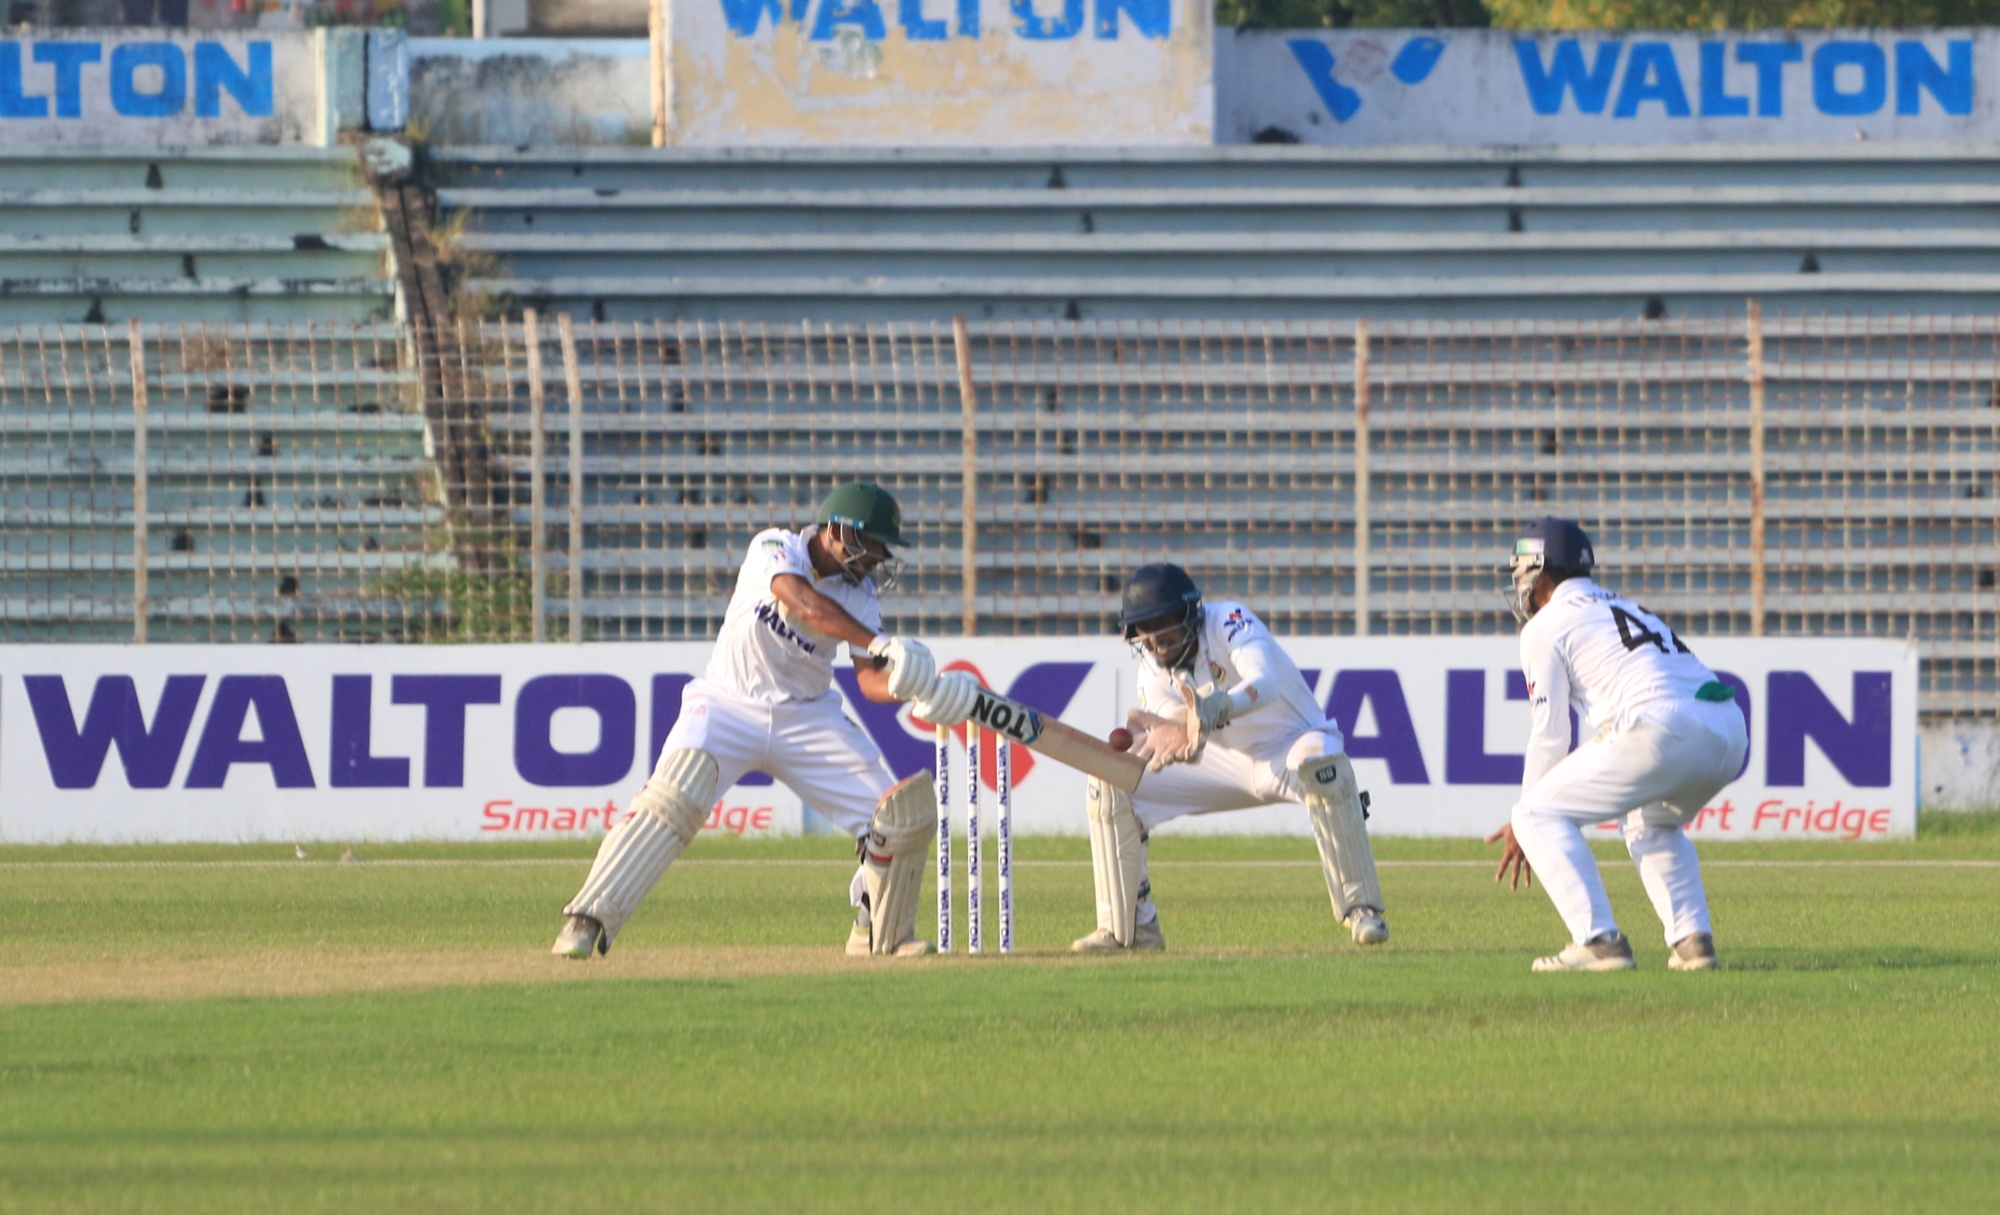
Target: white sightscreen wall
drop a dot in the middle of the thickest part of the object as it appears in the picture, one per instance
(228, 743)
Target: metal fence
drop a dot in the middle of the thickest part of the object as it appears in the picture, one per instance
(543, 479)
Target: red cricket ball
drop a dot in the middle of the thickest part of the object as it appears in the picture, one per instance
(1121, 739)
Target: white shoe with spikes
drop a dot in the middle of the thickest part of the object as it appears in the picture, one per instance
(1610, 953)
(1367, 925)
(581, 937)
(1145, 936)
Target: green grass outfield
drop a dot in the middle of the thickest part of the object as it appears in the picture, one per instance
(178, 1034)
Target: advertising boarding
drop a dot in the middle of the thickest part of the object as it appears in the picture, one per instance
(246, 743)
(1456, 87)
(941, 73)
(160, 88)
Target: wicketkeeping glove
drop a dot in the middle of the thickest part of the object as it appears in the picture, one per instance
(912, 670)
(1207, 712)
(1164, 744)
(951, 702)
(1213, 708)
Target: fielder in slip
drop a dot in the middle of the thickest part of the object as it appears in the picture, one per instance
(1667, 740)
(766, 701)
(1228, 723)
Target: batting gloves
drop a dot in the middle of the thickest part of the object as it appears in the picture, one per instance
(912, 670)
(951, 702)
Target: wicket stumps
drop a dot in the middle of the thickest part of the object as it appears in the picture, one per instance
(943, 764)
(975, 940)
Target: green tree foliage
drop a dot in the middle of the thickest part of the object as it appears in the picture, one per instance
(1740, 14)
(1342, 14)
(1607, 14)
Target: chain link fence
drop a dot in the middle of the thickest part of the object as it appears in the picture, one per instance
(543, 479)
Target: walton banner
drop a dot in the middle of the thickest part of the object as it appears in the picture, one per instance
(940, 73)
(241, 743)
(159, 88)
(1455, 87)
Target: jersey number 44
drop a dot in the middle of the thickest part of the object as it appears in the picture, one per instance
(1635, 632)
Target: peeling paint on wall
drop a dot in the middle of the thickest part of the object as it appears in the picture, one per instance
(1028, 72)
(531, 91)
(1961, 765)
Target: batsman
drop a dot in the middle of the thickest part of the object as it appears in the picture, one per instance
(1228, 723)
(766, 702)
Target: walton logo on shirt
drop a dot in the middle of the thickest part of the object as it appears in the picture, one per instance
(1234, 623)
(768, 613)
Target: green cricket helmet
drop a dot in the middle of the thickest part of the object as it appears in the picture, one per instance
(867, 508)
(864, 510)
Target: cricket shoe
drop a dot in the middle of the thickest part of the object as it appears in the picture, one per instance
(1614, 953)
(1695, 952)
(858, 945)
(1146, 936)
(1368, 926)
(580, 938)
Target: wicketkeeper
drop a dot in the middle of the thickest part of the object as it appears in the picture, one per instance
(1666, 739)
(766, 702)
(1228, 723)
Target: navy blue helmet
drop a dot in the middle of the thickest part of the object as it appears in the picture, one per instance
(1162, 591)
(1548, 543)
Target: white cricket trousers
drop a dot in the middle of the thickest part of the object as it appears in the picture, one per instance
(1228, 779)
(1225, 779)
(811, 745)
(1657, 772)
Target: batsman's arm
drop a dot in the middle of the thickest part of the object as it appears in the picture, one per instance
(829, 619)
(874, 680)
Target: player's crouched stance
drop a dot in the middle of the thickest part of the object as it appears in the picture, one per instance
(766, 702)
(1250, 735)
(1668, 739)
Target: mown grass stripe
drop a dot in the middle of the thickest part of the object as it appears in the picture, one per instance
(737, 862)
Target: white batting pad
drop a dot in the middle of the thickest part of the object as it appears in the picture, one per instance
(1344, 852)
(664, 819)
(1117, 859)
(897, 852)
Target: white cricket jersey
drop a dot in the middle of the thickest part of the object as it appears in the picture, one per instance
(762, 653)
(1605, 656)
(1237, 649)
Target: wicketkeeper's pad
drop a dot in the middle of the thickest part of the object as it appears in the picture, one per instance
(1344, 852)
(663, 820)
(894, 857)
(1117, 859)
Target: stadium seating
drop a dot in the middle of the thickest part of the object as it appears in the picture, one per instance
(1532, 382)
(188, 235)
(286, 463)
(287, 484)
(1242, 232)
(1231, 449)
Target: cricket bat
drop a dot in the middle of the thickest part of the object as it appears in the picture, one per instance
(1048, 736)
